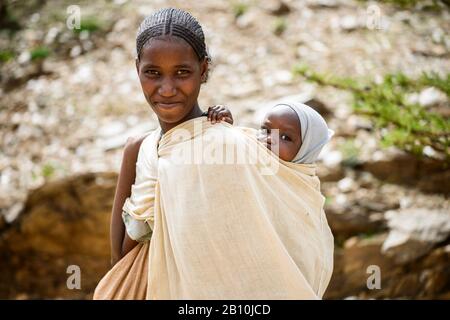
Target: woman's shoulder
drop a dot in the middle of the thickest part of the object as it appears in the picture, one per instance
(134, 143)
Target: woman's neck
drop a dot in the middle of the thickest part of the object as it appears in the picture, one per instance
(194, 113)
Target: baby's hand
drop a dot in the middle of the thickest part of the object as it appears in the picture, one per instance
(218, 113)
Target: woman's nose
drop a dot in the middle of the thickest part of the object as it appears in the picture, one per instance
(167, 88)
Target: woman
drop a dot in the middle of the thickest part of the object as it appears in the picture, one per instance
(220, 231)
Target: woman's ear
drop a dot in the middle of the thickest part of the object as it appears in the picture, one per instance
(137, 66)
(204, 70)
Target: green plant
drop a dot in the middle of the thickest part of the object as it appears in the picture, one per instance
(90, 24)
(6, 55)
(239, 9)
(407, 4)
(48, 170)
(40, 53)
(406, 125)
(350, 153)
(279, 26)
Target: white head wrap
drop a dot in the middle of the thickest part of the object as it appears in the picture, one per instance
(314, 129)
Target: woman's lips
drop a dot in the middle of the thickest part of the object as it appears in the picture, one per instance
(167, 105)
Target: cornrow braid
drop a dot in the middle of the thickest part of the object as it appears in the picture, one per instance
(174, 22)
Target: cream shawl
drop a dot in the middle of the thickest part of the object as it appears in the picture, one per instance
(242, 230)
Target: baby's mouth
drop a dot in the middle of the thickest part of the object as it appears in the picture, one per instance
(264, 142)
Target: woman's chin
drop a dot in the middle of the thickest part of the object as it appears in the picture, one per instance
(171, 118)
(171, 115)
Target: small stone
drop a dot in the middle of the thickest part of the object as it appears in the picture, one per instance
(431, 96)
(51, 35)
(346, 185)
(75, 51)
(276, 7)
(332, 158)
(24, 57)
(326, 4)
(13, 213)
(349, 23)
(247, 20)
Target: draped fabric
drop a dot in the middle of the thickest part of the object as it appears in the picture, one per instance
(228, 219)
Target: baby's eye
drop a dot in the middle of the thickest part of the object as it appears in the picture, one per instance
(285, 137)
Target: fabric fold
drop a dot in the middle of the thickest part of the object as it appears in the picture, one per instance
(241, 229)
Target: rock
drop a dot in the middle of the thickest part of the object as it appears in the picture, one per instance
(13, 212)
(276, 7)
(431, 96)
(331, 158)
(347, 219)
(320, 107)
(51, 35)
(346, 185)
(428, 278)
(64, 223)
(427, 97)
(414, 232)
(247, 20)
(75, 51)
(330, 173)
(395, 166)
(349, 23)
(24, 57)
(324, 4)
(84, 74)
(350, 268)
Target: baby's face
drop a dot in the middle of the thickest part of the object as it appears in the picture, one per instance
(288, 138)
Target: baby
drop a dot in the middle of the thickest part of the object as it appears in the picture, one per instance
(301, 135)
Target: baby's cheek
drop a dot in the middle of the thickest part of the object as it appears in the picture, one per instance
(287, 152)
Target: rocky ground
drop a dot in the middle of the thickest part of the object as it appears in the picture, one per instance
(65, 118)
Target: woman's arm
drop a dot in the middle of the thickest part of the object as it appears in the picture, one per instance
(121, 244)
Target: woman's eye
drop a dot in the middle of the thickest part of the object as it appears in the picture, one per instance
(152, 72)
(182, 72)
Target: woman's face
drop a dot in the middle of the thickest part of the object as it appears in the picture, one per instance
(288, 140)
(170, 75)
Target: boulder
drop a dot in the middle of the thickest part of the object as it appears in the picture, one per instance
(354, 264)
(414, 232)
(395, 166)
(63, 223)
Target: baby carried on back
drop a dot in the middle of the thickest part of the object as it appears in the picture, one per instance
(257, 232)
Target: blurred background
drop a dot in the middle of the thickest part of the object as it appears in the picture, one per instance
(378, 71)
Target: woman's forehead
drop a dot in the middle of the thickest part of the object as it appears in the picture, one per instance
(168, 51)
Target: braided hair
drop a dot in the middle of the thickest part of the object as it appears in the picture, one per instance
(173, 22)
